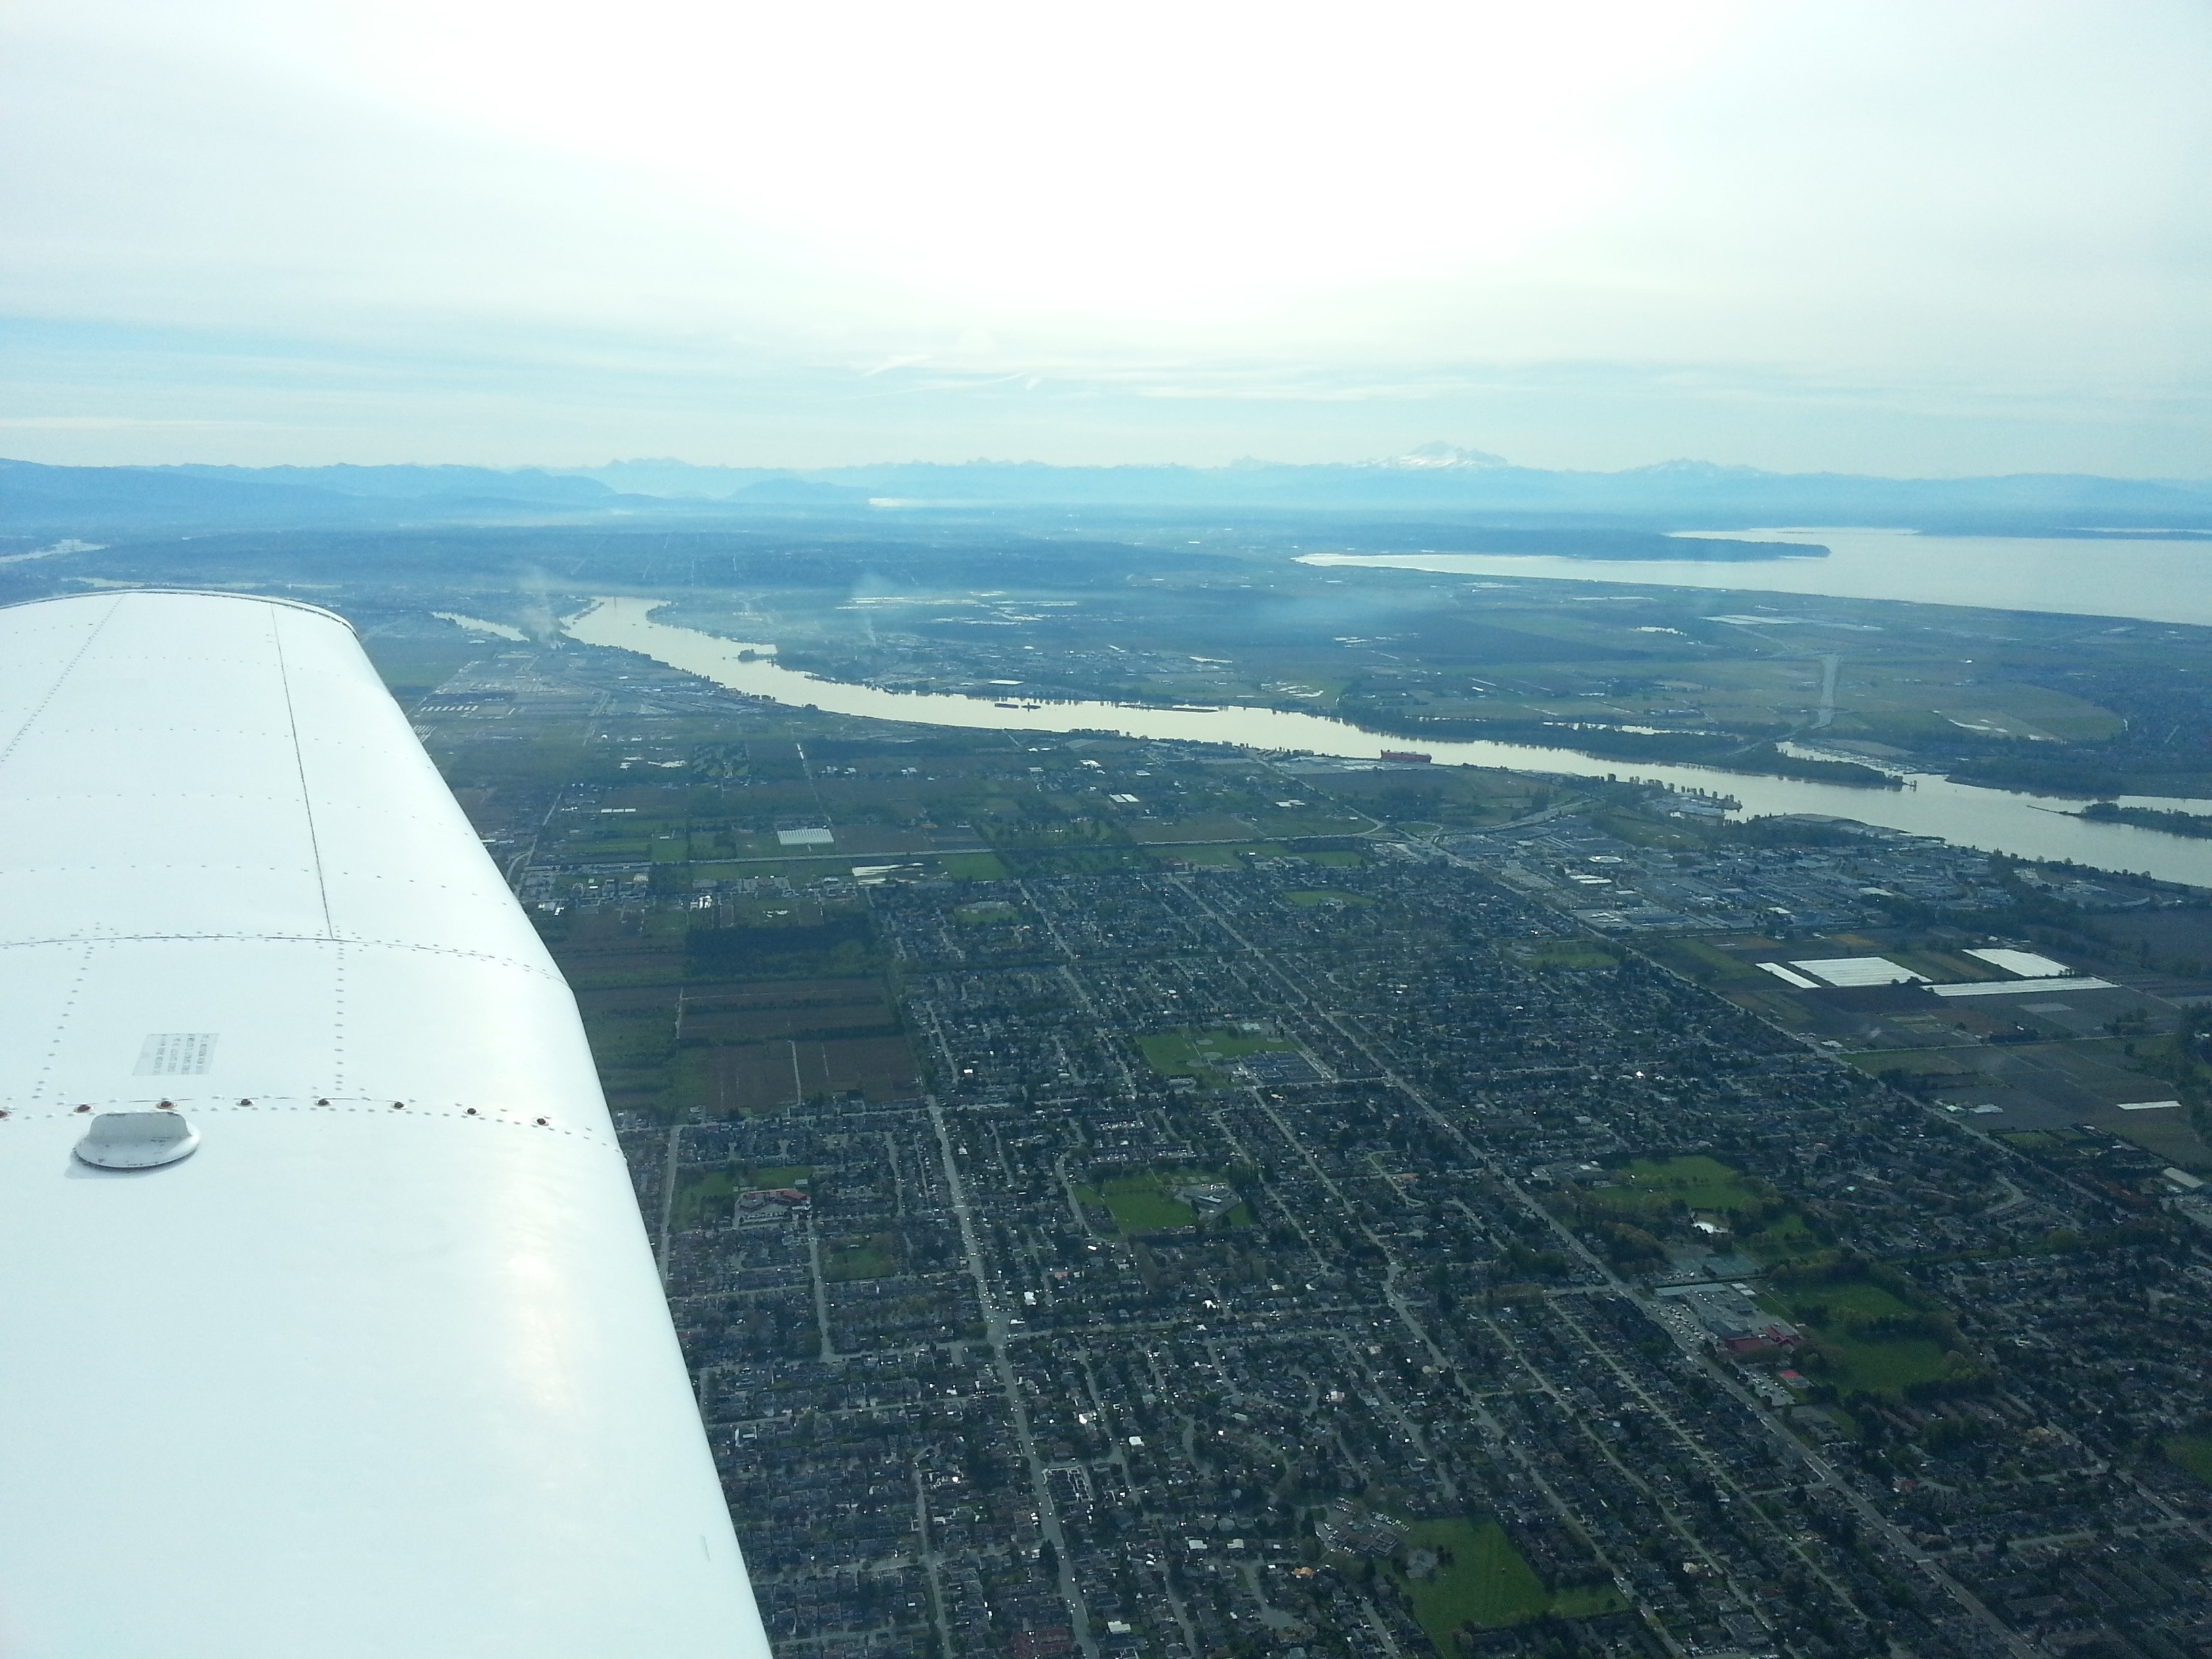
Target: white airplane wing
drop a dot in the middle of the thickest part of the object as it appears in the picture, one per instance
(328, 1326)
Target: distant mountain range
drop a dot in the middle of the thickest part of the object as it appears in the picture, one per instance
(1436, 483)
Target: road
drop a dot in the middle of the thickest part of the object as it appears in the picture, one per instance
(996, 1335)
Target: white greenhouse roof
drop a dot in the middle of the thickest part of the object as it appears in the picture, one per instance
(2006, 987)
(1788, 976)
(2026, 963)
(379, 1364)
(1859, 970)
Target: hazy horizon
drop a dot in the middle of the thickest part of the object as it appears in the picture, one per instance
(1411, 463)
(1903, 241)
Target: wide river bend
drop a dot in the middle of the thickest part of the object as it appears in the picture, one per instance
(1993, 820)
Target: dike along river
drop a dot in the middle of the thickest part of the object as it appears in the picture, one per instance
(1994, 820)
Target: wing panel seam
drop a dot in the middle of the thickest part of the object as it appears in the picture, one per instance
(60, 680)
(299, 761)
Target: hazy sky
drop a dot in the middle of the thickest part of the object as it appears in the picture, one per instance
(1929, 237)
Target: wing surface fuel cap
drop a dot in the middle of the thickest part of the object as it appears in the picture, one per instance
(136, 1140)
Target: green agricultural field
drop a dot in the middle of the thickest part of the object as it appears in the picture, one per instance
(629, 1037)
(1221, 855)
(1482, 1580)
(1006, 830)
(1203, 827)
(1709, 965)
(1893, 1064)
(1942, 966)
(412, 668)
(1570, 953)
(1206, 1055)
(986, 915)
(751, 846)
(2169, 1135)
(589, 849)
(973, 866)
(1086, 860)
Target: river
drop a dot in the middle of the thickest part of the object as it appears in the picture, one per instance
(1993, 820)
(2137, 580)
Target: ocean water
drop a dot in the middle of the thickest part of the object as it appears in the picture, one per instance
(2127, 580)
